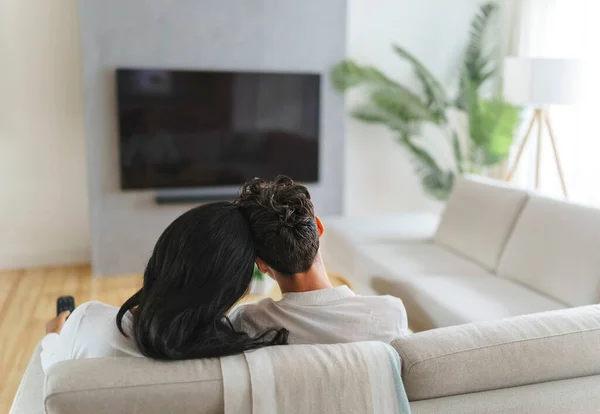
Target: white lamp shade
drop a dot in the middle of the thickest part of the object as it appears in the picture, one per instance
(542, 81)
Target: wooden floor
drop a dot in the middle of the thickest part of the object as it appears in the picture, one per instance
(28, 300)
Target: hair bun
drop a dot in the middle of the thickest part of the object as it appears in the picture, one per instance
(287, 216)
(250, 190)
(282, 221)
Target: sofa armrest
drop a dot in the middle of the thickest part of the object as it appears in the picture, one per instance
(529, 349)
(29, 398)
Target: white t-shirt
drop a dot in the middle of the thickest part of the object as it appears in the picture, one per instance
(325, 316)
(90, 332)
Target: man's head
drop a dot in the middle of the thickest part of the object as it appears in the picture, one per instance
(284, 227)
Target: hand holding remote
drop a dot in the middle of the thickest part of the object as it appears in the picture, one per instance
(65, 303)
(64, 306)
(56, 324)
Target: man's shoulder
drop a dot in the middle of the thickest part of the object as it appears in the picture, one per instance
(387, 315)
(247, 317)
(383, 307)
(383, 300)
(391, 300)
(245, 310)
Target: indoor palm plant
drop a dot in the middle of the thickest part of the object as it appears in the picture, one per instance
(491, 121)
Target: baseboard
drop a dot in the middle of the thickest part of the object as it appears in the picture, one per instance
(42, 259)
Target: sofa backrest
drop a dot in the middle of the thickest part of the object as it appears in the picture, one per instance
(555, 249)
(457, 360)
(360, 376)
(494, 355)
(479, 217)
(134, 385)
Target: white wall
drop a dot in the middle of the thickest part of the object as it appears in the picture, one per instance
(379, 175)
(43, 200)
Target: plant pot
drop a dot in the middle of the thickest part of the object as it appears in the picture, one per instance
(261, 287)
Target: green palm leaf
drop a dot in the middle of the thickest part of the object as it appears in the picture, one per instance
(435, 95)
(492, 124)
(479, 64)
(348, 74)
(457, 151)
(403, 103)
(386, 94)
(471, 103)
(375, 115)
(435, 181)
(500, 119)
(476, 58)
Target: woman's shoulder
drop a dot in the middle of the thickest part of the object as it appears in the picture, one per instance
(93, 309)
(97, 306)
(97, 333)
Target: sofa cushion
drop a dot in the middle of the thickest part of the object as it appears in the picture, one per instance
(438, 301)
(345, 237)
(479, 217)
(555, 249)
(402, 261)
(134, 385)
(408, 227)
(528, 349)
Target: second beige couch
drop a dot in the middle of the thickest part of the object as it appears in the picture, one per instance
(497, 252)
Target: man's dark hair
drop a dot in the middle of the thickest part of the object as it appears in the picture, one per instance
(282, 221)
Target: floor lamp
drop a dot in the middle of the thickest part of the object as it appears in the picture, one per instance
(539, 83)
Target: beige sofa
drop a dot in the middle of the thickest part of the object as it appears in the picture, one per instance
(496, 252)
(540, 363)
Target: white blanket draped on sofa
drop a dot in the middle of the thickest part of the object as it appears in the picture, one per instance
(357, 378)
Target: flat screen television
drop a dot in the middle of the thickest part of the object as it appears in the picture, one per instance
(206, 128)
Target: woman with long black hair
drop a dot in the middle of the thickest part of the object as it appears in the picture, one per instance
(201, 266)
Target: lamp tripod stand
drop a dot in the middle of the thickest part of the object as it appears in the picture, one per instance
(540, 117)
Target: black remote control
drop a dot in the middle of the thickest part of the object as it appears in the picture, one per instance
(65, 303)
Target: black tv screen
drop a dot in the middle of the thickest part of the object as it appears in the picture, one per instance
(204, 129)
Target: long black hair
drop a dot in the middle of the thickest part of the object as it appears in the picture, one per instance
(201, 265)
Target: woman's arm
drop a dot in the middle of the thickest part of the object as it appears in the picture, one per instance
(57, 345)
